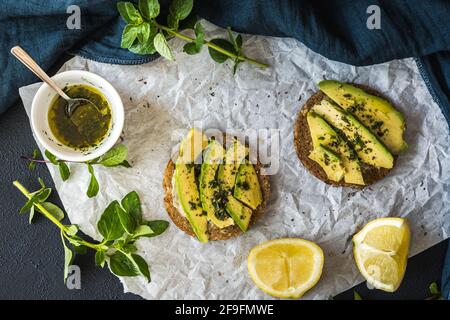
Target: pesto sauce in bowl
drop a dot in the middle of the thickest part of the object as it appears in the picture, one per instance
(87, 126)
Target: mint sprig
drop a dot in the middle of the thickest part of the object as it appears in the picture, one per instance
(143, 34)
(115, 157)
(121, 225)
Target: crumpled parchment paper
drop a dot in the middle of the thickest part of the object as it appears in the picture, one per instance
(162, 96)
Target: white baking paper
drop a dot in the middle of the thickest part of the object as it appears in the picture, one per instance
(162, 96)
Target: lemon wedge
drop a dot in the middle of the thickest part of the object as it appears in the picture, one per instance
(381, 252)
(285, 268)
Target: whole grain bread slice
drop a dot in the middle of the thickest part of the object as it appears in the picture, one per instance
(214, 232)
(303, 145)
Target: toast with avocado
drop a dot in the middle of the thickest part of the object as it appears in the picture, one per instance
(348, 134)
(211, 190)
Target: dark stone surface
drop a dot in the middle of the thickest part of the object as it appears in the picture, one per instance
(31, 257)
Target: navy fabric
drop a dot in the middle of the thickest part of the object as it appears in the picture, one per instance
(336, 29)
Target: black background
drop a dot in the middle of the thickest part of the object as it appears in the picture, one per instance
(31, 257)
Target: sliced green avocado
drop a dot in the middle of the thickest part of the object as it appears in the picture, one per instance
(239, 212)
(322, 134)
(192, 146)
(247, 188)
(236, 153)
(375, 113)
(369, 149)
(329, 161)
(189, 197)
(211, 197)
(227, 173)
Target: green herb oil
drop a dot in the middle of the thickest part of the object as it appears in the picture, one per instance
(87, 126)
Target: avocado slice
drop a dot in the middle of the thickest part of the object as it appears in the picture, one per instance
(211, 197)
(247, 188)
(329, 161)
(369, 149)
(377, 114)
(236, 153)
(227, 173)
(189, 197)
(192, 146)
(239, 212)
(322, 134)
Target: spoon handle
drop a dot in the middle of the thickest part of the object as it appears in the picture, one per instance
(23, 57)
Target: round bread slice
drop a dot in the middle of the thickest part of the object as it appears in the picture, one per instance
(214, 232)
(303, 146)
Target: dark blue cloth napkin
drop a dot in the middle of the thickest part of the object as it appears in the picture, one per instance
(336, 29)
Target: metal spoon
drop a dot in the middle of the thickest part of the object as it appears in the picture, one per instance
(72, 104)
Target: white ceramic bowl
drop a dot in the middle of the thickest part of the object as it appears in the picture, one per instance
(41, 104)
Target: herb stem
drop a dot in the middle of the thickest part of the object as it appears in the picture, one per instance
(44, 211)
(49, 216)
(214, 46)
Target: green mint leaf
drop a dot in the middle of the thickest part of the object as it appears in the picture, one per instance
(32, 165)
(239, 42)
(129, 248)
(114, 156)
(434, 289)
(109, 224)
(64, 171)
(142, 266)
(27, 206)
(196, 47)
(129, 13)
(235, 66)
(126, 220)
(31, 216)
(157, 226)
(218, 56)
(132, 205)
(172, 22)
(36, 153)
(143, 231)
(54, 210)
(129, 35)
(93, 187)
(43, 194)
(68, 258)
(199, 33)
(149, 8)
(72, 229)
(192, 48)
(41, 182)
(125, 164)
(180, 9)
(356, 296)
(100, 258)
(123, 265)
(51, 157)
(144, 32)
(162, 47)
(232, 39)
(143, 48)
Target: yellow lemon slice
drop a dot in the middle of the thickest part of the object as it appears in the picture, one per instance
(381, 252)
(285, 268)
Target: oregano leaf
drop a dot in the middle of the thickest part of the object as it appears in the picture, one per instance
(149, 8)
(219, 56)
(129, 13)
(162, 47)
(180, 9)
(93, 187)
